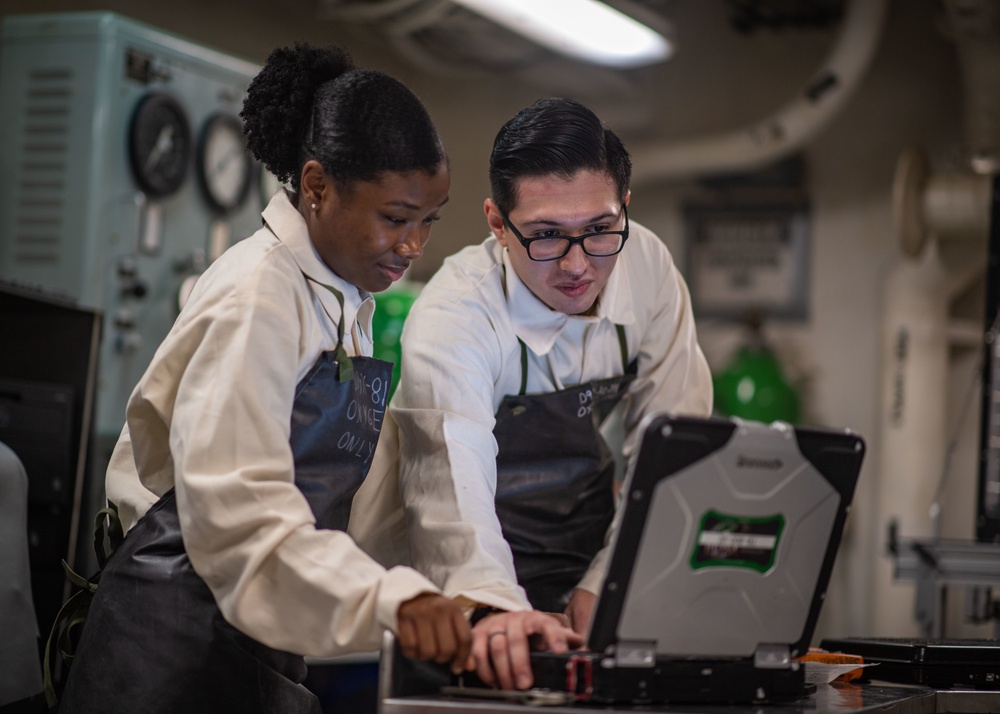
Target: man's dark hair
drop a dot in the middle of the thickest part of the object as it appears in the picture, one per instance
(554, 136)
(313, 103)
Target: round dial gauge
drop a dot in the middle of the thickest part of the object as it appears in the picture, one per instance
(225, 169)
(159, 144)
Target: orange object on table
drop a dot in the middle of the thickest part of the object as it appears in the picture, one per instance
(817, 655)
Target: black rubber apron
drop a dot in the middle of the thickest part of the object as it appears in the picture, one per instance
(555, 479)
(154, 639)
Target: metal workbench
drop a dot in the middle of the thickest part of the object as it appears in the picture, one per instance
(828, 699)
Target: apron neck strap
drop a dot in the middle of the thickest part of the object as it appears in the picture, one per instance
(623, 344)
(345, 371)
(524, 367)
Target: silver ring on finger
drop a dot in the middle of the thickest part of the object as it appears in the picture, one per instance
(493, 634)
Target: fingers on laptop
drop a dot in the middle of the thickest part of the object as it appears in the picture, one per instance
(502, 645)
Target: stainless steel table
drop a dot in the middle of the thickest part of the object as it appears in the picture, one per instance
(828, 699)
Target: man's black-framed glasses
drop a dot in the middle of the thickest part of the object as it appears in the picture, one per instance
(598, 245)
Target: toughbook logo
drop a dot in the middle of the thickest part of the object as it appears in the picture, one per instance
(749, 462)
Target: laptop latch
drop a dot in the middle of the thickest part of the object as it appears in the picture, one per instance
(770, 656)
(580, 677)
(635, 653)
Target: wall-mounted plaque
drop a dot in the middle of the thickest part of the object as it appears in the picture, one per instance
(743, 258)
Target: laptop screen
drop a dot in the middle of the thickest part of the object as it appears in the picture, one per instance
(726, 537)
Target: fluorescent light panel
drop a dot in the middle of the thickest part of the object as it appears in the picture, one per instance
(584, 29)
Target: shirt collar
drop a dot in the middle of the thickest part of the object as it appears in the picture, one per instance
(289, 227)
(539, 326)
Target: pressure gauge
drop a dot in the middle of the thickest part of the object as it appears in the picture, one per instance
(225, 170)
(159, 144)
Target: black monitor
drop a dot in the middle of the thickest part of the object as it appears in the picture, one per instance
(48, 369)
(988, 501)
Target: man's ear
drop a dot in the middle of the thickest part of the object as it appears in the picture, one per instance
(495, 221)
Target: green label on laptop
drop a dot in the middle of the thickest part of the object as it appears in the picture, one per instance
(734, 541)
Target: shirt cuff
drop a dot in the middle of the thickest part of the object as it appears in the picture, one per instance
(399, 585)
(506, 601)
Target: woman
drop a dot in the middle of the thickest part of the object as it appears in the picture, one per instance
(255, 423)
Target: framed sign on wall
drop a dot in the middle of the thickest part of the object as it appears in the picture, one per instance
(748, 257)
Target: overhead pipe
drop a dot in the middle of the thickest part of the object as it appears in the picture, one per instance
(787, 130)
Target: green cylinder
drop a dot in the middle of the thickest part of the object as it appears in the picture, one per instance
(753, 386)
(391, 309)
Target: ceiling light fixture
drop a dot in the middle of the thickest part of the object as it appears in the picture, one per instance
(584, 29)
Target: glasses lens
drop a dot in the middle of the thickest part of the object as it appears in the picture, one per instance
(547, 248)
(603, 243)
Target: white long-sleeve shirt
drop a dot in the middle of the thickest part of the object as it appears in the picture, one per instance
(211, 417)
(460, 357)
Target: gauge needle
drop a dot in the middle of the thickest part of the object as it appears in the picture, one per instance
(222, 163)
(164, 142)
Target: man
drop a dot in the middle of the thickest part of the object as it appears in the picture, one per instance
(512, 356)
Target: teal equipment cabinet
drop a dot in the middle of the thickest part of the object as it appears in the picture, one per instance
(102, 121)
(122, 175)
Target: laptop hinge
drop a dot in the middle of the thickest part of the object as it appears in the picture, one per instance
(770, 656)
(635, 653)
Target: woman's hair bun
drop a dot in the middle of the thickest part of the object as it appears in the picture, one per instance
(277, 109)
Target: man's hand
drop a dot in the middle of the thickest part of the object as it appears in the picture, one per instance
(500, 646)
(580, 610)
(433, 627)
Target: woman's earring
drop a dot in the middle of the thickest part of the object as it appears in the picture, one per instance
(312, 206)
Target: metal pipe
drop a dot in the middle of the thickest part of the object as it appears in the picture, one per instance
(788, 129)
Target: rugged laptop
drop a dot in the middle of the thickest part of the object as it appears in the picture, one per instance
(728, 534)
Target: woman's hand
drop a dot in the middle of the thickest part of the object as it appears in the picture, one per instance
(433, 627)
